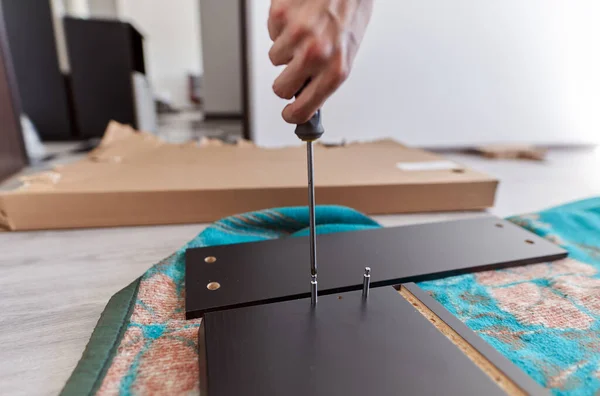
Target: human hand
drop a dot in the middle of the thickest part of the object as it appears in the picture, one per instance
(317, 40)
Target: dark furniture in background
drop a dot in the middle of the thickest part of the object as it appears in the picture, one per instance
(103, 55)
(42, 89)
(12, 149)
(246, 126)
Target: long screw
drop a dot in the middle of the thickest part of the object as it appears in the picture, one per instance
(312, 228)
(309, 132)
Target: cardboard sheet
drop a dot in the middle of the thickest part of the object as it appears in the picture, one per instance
(134, 178)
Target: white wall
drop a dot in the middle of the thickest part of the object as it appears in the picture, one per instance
(440, 73)
(103, 9)
(59, 10)
(78, 8)
(172, 42)
(220, 25)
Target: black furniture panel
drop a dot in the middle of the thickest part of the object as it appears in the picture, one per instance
(343, 346)
(12, 149)
(103, 54)
(278, 270)
(41, 85)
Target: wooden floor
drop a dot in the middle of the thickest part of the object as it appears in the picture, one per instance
(55, 284)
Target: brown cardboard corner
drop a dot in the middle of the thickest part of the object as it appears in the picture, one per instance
(134, 178)
(115, 132)
(512, 151)
(5, 223)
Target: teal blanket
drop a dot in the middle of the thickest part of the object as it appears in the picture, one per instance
(545, 318)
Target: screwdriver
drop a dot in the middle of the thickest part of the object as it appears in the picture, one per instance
(309, 132)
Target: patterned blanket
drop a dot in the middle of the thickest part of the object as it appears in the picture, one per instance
(545, 318)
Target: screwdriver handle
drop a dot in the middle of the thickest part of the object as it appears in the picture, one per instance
(312, 129)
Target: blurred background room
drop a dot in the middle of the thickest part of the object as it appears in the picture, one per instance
(119, 116)
(429, 74)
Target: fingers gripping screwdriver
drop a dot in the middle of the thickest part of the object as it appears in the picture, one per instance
(309, 132)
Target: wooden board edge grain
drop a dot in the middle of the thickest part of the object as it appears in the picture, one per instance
(501, 379)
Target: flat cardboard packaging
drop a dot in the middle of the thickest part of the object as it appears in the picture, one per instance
(137, 179)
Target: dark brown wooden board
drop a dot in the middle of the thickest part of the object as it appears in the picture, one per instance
(12, 148)
(278, 270)
(343, 346)
(103, 55)
(41, 85)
